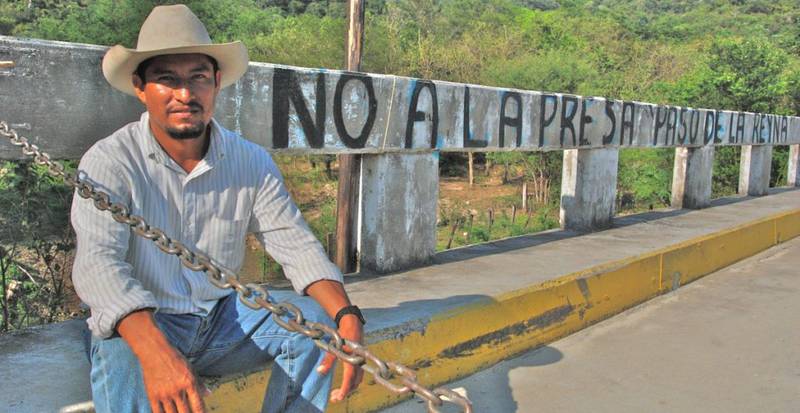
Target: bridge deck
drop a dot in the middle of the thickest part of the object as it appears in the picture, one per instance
(476, 306)
(726, 343)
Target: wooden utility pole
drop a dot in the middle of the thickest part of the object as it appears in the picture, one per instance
(350, 165)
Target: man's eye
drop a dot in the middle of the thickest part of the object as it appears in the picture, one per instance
(166, 79)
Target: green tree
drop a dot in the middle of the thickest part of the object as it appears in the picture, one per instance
(745, 75)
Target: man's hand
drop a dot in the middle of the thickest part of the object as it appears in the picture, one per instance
(170, 384)
(331, 297)
(350, 328)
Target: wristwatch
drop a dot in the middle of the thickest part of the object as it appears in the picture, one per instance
(350, 309)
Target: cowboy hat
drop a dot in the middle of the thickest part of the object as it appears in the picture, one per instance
(172, 30)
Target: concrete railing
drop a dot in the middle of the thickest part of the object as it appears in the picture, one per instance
(55, 93)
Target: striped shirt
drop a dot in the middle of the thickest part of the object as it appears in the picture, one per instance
(235, 189)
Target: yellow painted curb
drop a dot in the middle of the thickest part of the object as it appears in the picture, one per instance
(468, 339)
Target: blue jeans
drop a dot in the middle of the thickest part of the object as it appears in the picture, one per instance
(231, 339)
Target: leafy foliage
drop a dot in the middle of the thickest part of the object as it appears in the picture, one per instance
(36, 246)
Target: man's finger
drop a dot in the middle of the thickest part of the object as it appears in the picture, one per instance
(168, 406)
(195, 401)
(181, 405)
(348, 378)
(327, 364)
(359, 378)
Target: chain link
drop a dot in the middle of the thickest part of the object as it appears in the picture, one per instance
(251, 295)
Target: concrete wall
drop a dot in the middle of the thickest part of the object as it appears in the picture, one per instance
(588, 188)
(794, 166)
(692, 176)
(56, 95)
(754, 170)
(56, 91)
(398, 211)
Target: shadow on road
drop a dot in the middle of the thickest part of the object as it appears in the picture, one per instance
(492, 391)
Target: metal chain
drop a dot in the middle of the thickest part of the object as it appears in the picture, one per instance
(251, 295)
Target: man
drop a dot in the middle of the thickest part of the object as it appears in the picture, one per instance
(154, 323)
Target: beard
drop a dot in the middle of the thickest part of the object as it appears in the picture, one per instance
(193, 131)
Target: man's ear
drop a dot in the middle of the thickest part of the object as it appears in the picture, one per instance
(138, 88)
(217, 79)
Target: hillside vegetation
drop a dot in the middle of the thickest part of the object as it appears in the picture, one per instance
(727, 54)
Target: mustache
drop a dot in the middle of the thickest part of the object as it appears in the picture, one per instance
(191, 106)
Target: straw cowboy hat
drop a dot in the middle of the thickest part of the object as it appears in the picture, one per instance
(172, 30)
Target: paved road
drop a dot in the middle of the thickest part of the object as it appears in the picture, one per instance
(729, 342)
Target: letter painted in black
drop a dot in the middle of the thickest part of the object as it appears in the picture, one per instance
(711, 120)
(694, 126)
(567, 119)
(754, 138)
(287, 89)
(628, 122)
(671, 127)
(659, 124)
(683, 131)
(546, 120)
(607, 139)
(740, 122)
(415, 116)
(338, 118)
(585, 120)
(776, 128)
(514, 122)
(730, 128)
(784, 129)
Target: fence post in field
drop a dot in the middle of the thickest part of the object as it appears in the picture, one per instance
(524, 194)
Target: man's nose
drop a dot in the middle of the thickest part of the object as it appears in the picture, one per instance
(182, 92)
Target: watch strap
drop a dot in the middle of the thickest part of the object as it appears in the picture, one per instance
(350, 309)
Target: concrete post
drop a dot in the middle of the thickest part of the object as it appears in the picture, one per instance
(754, 169)
(691, 177)
(399, 198)
(794, 165)
(588, 188)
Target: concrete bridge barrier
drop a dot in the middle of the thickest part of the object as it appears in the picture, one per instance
(56, 93)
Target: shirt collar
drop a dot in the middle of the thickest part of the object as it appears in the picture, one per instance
(154, 151)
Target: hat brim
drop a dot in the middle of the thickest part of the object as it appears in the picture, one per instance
(119, 63)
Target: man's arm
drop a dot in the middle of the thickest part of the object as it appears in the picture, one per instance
(168, 379)
(119, 302)
(280, 227)
(332, 297)
(101, 276)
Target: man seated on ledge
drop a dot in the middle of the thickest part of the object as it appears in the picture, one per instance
(156, 324)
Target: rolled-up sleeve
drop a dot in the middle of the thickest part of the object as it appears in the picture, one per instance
(101, 275)
(279, 225)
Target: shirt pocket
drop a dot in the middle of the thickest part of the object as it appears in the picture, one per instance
(225, 240)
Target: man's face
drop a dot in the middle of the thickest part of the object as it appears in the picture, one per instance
(179, 93)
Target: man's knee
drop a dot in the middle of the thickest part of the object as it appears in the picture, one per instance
(116, 377)
(112, 352)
